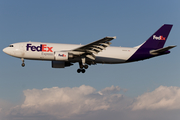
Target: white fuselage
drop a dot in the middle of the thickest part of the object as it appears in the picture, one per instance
(45, 51)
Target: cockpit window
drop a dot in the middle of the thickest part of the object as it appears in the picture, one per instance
(11, 46)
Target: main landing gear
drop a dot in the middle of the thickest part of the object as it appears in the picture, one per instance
(82, 65)
(23, 64)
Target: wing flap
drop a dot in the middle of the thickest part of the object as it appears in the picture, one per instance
(91, 57)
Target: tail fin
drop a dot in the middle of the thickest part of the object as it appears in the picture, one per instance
(158, 39)
(153, 45)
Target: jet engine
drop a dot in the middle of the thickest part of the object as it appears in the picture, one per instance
(62, 56)
(60, 64)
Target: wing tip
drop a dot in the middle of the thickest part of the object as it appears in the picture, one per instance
(112, 37)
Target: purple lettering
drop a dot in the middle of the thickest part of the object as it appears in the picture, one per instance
(33, 48)
(39, 48)
(28, 46)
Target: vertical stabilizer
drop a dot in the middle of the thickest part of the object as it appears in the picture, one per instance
(158, 39)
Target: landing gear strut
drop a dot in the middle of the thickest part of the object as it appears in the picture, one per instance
(23, 64)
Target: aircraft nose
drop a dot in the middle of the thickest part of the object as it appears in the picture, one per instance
(6, 50)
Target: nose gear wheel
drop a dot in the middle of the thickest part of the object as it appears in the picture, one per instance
(23, 64)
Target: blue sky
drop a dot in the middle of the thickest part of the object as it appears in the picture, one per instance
(79, 21)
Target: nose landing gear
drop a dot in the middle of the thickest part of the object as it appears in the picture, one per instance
(23, 64)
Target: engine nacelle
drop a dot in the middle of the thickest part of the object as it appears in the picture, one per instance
(60, 64)
(62, 56)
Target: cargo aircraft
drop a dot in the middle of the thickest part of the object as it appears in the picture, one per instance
(100, 51)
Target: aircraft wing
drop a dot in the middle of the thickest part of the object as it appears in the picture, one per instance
(161, 50)
(93, 48)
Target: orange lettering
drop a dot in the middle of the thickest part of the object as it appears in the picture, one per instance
(43, 47)
(49, 49)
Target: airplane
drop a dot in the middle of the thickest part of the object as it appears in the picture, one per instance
(100, 51)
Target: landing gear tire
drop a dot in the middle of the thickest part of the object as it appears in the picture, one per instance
(22, 64)
(81, 70)
(81, 66)
(78, 70)
(86, 66)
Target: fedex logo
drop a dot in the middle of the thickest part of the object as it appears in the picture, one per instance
(42, 47)
(62, 55)
(159, 38)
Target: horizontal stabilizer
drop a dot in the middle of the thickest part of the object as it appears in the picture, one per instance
(161, 50)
